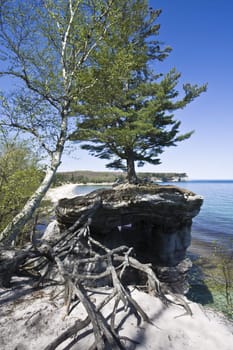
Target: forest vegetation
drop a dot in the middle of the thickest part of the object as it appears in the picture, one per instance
(20, 175)
(85, 177)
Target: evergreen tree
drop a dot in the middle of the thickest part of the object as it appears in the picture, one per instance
(129, 118)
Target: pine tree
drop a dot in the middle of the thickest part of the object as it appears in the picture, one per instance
(128, 117)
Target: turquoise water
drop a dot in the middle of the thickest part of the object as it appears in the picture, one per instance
(215, 220)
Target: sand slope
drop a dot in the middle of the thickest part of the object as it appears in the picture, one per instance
(34, 320)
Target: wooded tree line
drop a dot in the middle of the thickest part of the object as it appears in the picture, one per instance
(86, 71)
(85, 176)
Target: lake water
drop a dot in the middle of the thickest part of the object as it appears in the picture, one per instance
(215, 220)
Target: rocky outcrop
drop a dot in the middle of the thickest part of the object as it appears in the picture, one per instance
(155, 220)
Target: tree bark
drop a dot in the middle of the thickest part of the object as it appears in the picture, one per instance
(8, 235)
(131, 173)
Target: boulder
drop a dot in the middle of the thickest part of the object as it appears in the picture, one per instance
(155, 220)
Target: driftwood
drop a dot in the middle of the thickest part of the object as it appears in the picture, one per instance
(71, 259)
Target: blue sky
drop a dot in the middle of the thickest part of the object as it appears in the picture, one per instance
(201, 35)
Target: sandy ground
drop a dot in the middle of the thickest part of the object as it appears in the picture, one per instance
(30, 321)
(68, 191)
(64, 191)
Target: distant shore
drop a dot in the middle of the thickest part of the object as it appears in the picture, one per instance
(95, 184)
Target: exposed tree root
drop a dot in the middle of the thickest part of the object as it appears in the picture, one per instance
(79, 261)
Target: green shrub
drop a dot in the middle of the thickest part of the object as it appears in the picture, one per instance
(19, 178)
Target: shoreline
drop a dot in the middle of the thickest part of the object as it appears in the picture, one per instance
(64, 191)
(197, 247)
(87, 184)
(200, 248)
(96, 184)
(69, 190)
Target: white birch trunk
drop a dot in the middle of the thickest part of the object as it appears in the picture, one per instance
(8, 235)
(15, 226)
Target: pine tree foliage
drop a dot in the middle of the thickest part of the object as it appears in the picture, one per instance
(129, 117)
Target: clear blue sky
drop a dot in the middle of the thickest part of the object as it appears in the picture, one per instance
(201, 35)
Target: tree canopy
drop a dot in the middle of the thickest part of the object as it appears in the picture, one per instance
(49, 48)
(131, 117)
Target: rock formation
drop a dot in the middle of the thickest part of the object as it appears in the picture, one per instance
(155, 220)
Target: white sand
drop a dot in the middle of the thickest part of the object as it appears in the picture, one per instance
(33, 321)
(64, 191)
(68, 191)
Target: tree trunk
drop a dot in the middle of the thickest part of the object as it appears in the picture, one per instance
(8, 235)
(14, 227)
(131, 174)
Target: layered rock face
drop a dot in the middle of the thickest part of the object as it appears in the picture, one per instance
(155, 220)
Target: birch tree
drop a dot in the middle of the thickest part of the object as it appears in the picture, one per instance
(47, 48)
